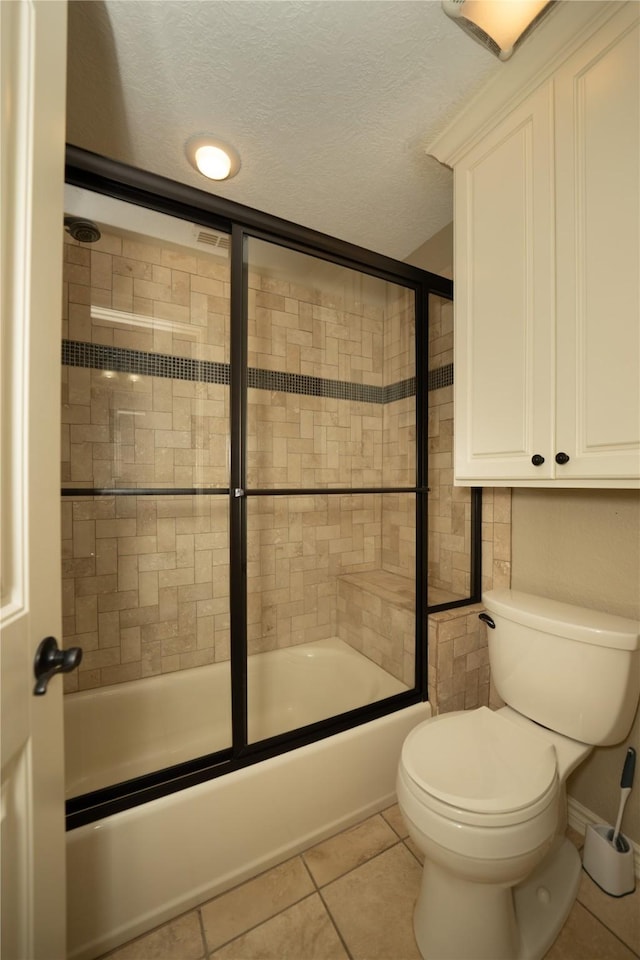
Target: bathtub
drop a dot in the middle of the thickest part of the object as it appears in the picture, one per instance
(136, 869)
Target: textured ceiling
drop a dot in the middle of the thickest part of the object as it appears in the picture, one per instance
(328, 102)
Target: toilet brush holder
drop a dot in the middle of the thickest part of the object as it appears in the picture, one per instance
(609, 864)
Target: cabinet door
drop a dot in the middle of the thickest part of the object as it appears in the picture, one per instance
(504, 299)
(598, 254)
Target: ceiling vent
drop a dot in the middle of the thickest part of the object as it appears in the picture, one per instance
(218, 242)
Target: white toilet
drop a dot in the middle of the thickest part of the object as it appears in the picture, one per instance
(482, 792)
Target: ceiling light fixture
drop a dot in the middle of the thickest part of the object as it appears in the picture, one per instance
(498, 25)
(212, 158)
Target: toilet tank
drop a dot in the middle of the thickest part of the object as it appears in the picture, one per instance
(574, 670)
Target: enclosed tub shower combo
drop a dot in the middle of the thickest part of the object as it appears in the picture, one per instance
(244, 519)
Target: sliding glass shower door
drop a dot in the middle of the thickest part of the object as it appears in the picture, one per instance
(145, 489)
(330, 489)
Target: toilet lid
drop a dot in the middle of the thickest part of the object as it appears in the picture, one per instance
(478, 761)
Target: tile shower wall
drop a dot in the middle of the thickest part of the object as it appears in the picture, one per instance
(332, 432)
(145, 586)
(399, 442)
(146, 578)
(458, 672)
(449, 552)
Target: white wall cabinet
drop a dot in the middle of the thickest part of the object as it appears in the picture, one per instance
(504, 298)
(547, 274)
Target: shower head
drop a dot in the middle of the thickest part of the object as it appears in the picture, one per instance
(85, 231)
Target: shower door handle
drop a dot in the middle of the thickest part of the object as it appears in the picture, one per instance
(50, 659)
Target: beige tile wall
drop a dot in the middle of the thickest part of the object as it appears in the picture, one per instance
(187, 292)
(326, 333)
(458, 672)
(399, 444)
(296, 440)
(376, 615)
(123, 429)
(145, 585)
(136, 593)
(449, 567)
(299, 547)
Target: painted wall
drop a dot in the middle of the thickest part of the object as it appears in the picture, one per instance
(436, 254)
(583, 546)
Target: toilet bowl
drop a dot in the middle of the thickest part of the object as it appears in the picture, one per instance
(482, 792)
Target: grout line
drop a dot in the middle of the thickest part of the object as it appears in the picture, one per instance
(335, 926)
(389, 824)
(203, 934)
(407, 847)
(340, 876)
(606, 927)
(308, 869)
(256, 926)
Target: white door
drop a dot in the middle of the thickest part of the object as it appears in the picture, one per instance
(32, 842)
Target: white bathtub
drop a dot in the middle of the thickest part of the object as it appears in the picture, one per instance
(136, 869)
(129, 729)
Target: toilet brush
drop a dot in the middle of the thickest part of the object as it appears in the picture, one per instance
(608, 856)
(626, 783)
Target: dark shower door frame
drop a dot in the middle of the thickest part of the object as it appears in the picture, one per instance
(103, 176)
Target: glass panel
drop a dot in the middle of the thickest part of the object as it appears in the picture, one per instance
(331, 601)
(145, 408)
(331, 375)
(449, 542)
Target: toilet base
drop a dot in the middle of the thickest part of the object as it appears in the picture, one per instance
(458, 920)
(543, 902)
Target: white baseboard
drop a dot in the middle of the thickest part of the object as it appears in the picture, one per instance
(580, 818)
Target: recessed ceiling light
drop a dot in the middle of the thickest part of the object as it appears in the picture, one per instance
(212, 158)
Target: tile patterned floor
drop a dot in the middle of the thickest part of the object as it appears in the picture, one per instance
(351, 898)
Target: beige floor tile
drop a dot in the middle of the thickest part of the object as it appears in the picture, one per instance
(620, 914)
(255, 901)
(394, 818)
(332, 858)
(303, 932)
(373, 906)
(585, 938)
(179, 940)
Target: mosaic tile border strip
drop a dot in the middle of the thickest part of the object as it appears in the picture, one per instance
(441, 377)
(76, 353)
(314, 386)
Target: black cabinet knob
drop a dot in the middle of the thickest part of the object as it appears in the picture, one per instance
(562, 457)
(537, 460)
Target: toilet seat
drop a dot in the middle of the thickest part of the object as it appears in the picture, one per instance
(478, 768)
